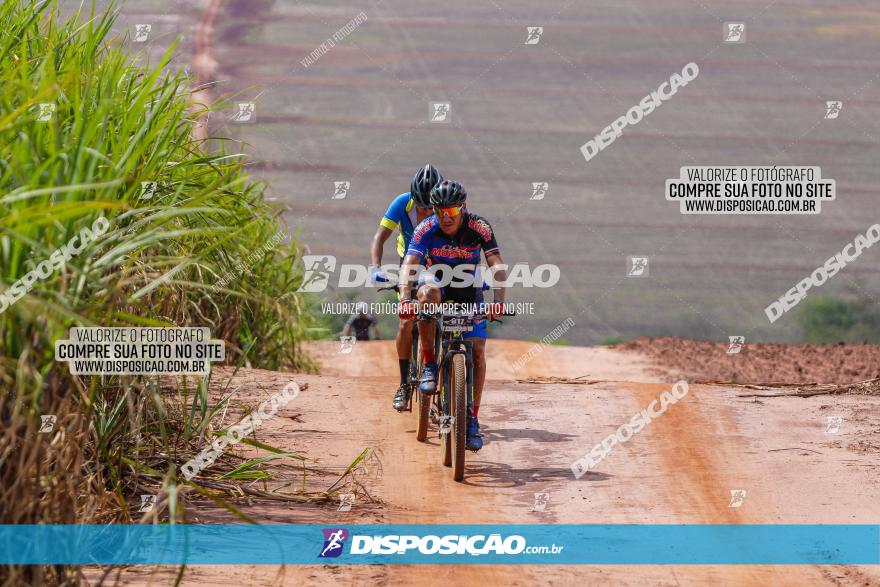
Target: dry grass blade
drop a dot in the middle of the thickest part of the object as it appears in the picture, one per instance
(866, 387)
(239, 490)
(562, 380)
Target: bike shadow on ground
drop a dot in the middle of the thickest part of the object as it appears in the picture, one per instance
(503, 475)
(538, 435)
(509, 434)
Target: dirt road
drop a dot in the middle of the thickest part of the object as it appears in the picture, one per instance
(679, 469)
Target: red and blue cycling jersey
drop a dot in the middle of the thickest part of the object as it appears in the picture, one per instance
(433, 247)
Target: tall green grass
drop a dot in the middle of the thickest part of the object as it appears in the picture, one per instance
(115, 125)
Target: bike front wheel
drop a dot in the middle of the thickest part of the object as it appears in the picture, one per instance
(458, 433)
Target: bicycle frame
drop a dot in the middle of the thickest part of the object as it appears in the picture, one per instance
(446, 346)
(453, 343)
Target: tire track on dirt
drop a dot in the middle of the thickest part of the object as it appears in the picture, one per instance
(702, 454)
(204, 64)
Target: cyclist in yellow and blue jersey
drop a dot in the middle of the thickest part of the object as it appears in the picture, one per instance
(405, 213)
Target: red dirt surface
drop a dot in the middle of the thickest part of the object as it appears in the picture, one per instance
(761, 363)
(679, 470)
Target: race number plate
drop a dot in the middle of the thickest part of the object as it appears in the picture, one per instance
(458, 323)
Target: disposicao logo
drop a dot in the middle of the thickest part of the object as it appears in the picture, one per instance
(334, 542)
(432, 544)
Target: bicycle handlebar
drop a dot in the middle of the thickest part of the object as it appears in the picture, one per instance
(475, 315)
(433, 315)
(394, 286)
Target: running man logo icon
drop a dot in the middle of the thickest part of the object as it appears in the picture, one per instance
(734, 32)
(541, 500)
(340, 189)
(47, 109)
(346, 344)
(832, 109)
(737, 496)
(142, 32)
(148, 189)
(47, 423)
(440, 111)
(203, 119)
(534, 35)
(736, 344)
(334, 542)
(637, 266)
(539, 190)
(147, 503)
(246, 113)
(832, 424)
(346, 500)
(317, 272)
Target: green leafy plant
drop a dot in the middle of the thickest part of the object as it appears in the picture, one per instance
(86, 133)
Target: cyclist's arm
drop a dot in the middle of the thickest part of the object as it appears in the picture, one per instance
(408, 270)
(387, 225)
(493, 258)
(382, 234)
(415, 256)
(499, 275)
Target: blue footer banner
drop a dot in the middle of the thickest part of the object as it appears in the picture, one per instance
(564, 544)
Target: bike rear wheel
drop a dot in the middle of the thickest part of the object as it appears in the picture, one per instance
(421, 402)
(458, 391)
(423, 406)
(415, 361)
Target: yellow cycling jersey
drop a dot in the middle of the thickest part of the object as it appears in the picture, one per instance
(401, 215)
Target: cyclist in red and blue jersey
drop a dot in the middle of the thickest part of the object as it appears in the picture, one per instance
(452, 237)
(405, 212)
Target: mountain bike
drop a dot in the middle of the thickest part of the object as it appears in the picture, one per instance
(425, 408)
(447, 407)
(454, 398)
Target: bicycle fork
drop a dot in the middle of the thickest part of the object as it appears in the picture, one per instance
(446, 417)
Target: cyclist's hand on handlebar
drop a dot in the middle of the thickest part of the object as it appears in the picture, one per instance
(406, 309)
(378, 277)
(494, 311)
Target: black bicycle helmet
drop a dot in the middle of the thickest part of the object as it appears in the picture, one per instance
(422, 182)
(448, 193)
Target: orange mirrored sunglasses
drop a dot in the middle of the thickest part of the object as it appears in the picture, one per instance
(447, 211)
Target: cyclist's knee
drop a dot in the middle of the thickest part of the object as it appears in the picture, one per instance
(429, 293)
